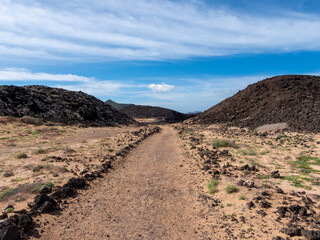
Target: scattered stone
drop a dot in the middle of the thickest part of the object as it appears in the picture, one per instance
(311, 235)
(265, 204)
(262, 213)
(292, 231)
(250, 204)
(279, 190)
(275, 174)
(282, 211)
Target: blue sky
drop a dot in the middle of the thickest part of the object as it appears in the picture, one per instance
(185, 55)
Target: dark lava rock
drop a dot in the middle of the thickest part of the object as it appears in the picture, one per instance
(40, 199)
(279, 190)
(282, 211)
(311, 235)
(307, 200)
(24, 222)
(250, 204)
(76, 183)
(58, 105)
(63, 192)
(265, 204)
(292, 99)
(262, 213)
(275, 174)
(206, 168)
(240, 182)
(265, 193)
(292, 231)
(278, 238)
(44, 203)
(46, 190)
(47, 207)
(10, 233)
(248, 168)
(297, 209)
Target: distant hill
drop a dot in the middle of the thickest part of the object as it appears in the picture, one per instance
(140, 111)
(291, 99)
(163, 114)
(115, 105)
(59, 105)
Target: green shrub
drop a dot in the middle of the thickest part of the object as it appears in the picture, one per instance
(37, 168)
(231, 189)
(9, 210)
(36, 133)
(281, 136)
(212, 186)
(37, 189)
(205, 152)
(21, 155)
(5, 193)
(8, 173)
(242, 197)
(224, 143)
(41, 151)
(70, 150)
(304, 162)
(297, 181)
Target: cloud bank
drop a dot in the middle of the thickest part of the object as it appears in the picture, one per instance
(67, 81)
(95, 30)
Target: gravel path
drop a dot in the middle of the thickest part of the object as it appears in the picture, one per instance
(145, 197)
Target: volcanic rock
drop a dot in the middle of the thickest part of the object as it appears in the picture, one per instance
(9, 233)
(57, 105)
(291, 99)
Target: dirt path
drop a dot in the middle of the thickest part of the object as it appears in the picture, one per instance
(146, 197)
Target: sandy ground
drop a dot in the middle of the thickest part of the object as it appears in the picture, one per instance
(160, 190)
(294, 155)
(148, 196)
(33, 156)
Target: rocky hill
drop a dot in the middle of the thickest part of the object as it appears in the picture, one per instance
(163, 114)
(291, 99)
(116, 105)
(58, 105)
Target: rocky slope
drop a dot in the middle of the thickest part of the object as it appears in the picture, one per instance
(58, 105)
(163, 114)
(293, 99)
(116, 105)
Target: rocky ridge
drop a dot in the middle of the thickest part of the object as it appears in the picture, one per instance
(58, 105)
(291, 99)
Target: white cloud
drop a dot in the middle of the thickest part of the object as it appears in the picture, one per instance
(145, 29)
(160, 88)
(67, 81)
(22, 74)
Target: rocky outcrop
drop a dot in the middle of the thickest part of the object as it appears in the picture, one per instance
(58, 105)
(291, 99)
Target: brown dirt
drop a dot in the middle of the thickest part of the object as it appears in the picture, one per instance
(268, 152)
(54, 154)
(148, 196)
